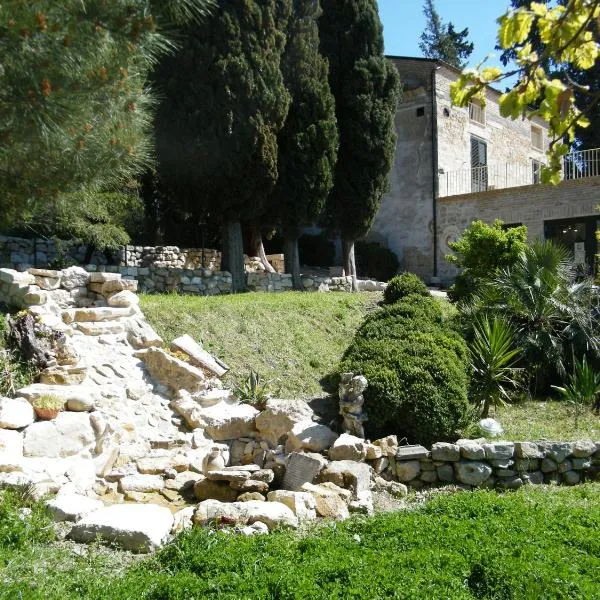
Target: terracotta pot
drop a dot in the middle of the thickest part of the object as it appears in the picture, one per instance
(46, 414)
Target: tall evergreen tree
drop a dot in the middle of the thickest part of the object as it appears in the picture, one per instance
(74, 109)
(224, 104)
(441, 41)
(365, 86)
(309, 140)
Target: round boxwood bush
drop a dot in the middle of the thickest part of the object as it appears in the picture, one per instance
(418, 372)
(404, 285)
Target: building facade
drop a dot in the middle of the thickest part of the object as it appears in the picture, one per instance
(453, 165)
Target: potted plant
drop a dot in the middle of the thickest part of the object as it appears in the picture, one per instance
(47, 407)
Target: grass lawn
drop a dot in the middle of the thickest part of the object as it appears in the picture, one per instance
(530, 544)
(290, 338)
(546, 420)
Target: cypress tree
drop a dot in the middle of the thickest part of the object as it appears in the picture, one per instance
(309, 140)
(74, 109)
(217, 127)
(365, 86)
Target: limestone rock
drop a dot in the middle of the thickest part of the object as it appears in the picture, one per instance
(69, 434)
(499, 450)
(557, 451)
(280, 416)
(348, 474)
(302, 504)
(445, 452)
(302, 468)
(141, 335)
(172, 372)
(310, 436)
(228, 475)
(11, 442)
(348, 447)
(198, 356)
(74, 277)
(72, 507)
(119, 285)
(250, 496)
(141, 483)
(82, 395)
(223, 421)
(205, 489)
(471, 450)
(135, 527)
(527, 450)
(328, 503)
(388, 445)
(123, 299)
(472, 473)
(15, 413)
(583, 448)
(63, 375)
(273, 514)
(407, 470)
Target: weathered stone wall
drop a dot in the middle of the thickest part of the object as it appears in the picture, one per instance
(21, 254)
(505, 465)
(528, 205)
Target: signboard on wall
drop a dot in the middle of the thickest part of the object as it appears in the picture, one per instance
(579, 252)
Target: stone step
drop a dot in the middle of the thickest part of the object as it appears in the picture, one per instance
(100, 328)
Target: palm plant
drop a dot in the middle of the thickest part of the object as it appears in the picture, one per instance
(493, 361)
(582, 388)
(551, 312)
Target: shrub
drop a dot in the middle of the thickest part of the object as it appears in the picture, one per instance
(404, 285)
(375, 261)
(481, 252)
(417, 369)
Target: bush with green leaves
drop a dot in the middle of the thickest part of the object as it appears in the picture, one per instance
(481, 251)
(375, 261)
(404, 285)
(417, 368)
(552, 312)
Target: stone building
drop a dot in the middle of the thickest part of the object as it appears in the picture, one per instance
(453, 165)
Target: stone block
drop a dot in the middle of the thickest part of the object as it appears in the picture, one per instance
(407, 470)
(302, 468)
(445, 452)
(472, 472)
(415, 452)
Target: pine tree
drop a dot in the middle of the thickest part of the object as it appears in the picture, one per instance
(309, 140)
(440, 41)
(74, 109)
(365, 86)
(224, 104)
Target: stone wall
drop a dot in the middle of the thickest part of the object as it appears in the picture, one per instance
(21, 254)
(505, 465)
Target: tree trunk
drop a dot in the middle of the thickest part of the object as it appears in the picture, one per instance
(233, 255)
(292, 261)
(349, 262)
(257, 248)
(485, 411)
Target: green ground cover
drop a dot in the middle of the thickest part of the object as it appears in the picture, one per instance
(531, 544)
(291, 338)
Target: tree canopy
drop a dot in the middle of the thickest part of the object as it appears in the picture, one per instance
(441, 41)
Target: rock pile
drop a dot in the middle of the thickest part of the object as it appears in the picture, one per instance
(149, 441)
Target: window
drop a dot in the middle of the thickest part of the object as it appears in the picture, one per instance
(477, 113)
(537, 137)
(536, 171)
(479, 169)
(421, 111)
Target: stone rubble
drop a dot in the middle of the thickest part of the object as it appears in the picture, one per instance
(150, 442)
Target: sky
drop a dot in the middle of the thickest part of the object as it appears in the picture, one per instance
(403, 23)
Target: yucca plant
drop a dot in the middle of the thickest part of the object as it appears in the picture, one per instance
(253, 390)
(581, 389)
(494, 358)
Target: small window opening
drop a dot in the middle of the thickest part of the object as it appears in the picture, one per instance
(421, 111)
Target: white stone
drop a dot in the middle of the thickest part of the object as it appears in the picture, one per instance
(280, 416)
(302, 504)
(224, 421)
(84, 395)
(136, 527)
(310, 436)
(348, 474)
(70, 433)
(74, 277)
(472, 472)
(273, 514)
(15, 413)
(123, 299)
(11, 442)
(72, 507)
(203, 359)
(348, 447)
(407, 470)
(141, 483)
